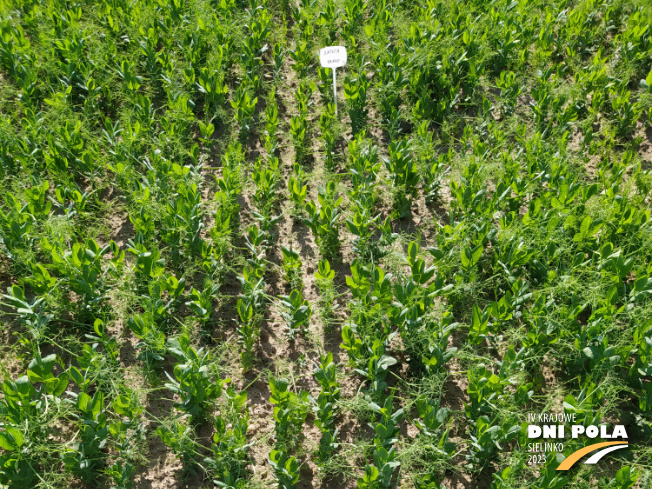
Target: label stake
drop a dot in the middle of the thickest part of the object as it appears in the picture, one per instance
(333, 57)
(335, 90)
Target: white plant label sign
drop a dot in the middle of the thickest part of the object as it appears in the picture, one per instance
(333, 57)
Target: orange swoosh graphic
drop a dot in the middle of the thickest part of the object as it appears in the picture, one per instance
(575, 456)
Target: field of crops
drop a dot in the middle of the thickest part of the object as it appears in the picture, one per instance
(213, 276)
